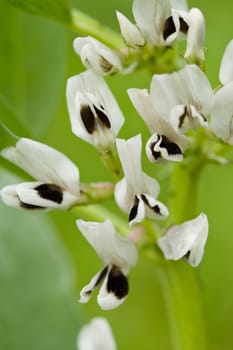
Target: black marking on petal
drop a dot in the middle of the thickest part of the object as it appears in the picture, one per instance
(134, 210)
(101, 276)
(187, 255)
(102, 117)
(51, 192)
(182, 117)
(169, 28)
(155, 154)
(105, 64)
(117, 283)
(29, 206)
(183, 26)
(203, 117)
(171, 147)
(155, 208)
(88, 118)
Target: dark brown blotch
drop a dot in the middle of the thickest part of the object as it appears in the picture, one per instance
(171, 147)
(169, 28)
(103, 118)
(117, 283)
(88, 118)
(105, 64)
(134, 210)
(51, 192)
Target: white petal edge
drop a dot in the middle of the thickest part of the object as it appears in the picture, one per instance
(124, 195)
(226, 67)
(129, 152)
(195, 49)
(108, 244)
(222, 114)
(86, 292)
(130, 33)
(179, 5)
(107, 300)
(44, 163)
(189, 236)
(97, 334)
(9, 196)
(150, 16)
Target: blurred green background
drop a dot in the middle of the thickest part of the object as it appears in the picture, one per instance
(44, 261)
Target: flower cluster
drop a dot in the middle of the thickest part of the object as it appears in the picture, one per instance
(175, 108)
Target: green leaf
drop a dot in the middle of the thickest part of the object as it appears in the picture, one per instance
(7, 138)
(39, 308)
(33, 54)
(58, 10)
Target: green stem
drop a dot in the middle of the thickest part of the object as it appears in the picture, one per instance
(111, 160)
(100, 213)
(87, 25)
(184, 192)
(182, 298)
(179, 281)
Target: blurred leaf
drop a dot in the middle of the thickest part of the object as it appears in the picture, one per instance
(33, 54)
(38, 304)
(9, 116)
(58, 10)
(7, 138)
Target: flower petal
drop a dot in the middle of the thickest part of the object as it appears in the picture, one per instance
(44, 164)
(186, 240)
(108, 244)
(130, 155)
(222, 114)
(150, 16)
(189, 86)
(10, 197)
(130, 33)
(154, 208)
(42, 195)
(86, 291)
(179, 5)
(114, 289)
(137, 212)
(143, 103)
(159, 147)
(196, 37)
(96, 335)
(124, 195)
(97, 56)
(226, 67)
(161, 128)
(91, 88)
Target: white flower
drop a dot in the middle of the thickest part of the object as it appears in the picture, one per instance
(97, 56)
(159, 22)
(57, 185)
(195, 37)
(226, 67)
(94, 113)
(136, 193)
(130, 32)
(186, 240)
(118, 256)
(165, 142)
(222, 113)
(96, 335)
(184, 97)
